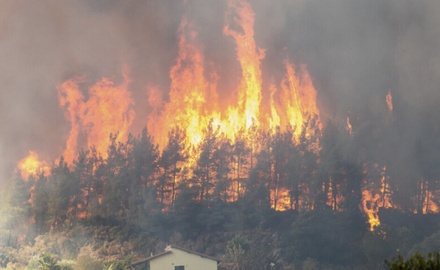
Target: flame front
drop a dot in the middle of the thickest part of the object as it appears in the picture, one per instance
(298, 99)
(72, 100)
(188, 107)
(249, 57)
(107, 111)
(192, 104)
(193, 98)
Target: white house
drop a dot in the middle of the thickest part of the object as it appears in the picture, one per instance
(177, 258)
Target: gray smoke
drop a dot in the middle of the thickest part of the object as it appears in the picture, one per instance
(356, 51)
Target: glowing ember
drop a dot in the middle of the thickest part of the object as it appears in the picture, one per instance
(384, 189)
(32, 165)
(349, 127)
(280, 199)
(389, 100)
(430, 205)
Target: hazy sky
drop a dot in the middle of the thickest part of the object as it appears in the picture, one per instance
(355, 50)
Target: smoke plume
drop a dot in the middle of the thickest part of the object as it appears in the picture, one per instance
(356, 52)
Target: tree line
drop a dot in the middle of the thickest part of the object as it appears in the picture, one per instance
(318, 169)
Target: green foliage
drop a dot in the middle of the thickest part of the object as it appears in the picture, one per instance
(14, 211)
(87, 263)
(33, 264)
(235, 251)
(431, 242)
(118, 265)
(137, 199)
(49, 262)
(330, 238)
(415, 261)
(67, 264)
(61, 190)
(310, 264)
(254, 250)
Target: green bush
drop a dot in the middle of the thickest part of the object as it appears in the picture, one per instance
(416, 261)
(87, 263)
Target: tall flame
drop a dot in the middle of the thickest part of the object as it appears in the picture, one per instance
(107, 110)
(298, 98)
(249, 57)
(188, 106)
(193, 100)
(371, 208)
(192, 104)
(373, 199)
(71, 98)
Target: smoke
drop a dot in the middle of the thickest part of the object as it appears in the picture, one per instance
(355, 51)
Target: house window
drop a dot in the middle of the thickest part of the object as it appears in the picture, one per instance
(179, 267)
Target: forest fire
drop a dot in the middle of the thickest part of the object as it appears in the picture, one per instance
(371, 208)
(374, 198)
(265, 134)
(32, 165)
(107, 111)
(270, 131)
(105, 108)
(194, 101)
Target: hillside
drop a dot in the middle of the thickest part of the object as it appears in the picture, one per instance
(109, 211)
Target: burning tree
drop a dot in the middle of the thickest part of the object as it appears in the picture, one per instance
(267, 143)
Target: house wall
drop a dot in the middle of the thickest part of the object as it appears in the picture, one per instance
(180, 257)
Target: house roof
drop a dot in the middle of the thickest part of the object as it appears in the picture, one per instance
(168, 250)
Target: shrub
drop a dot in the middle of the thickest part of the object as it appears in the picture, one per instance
(416, 261)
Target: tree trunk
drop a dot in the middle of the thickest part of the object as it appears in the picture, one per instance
(173, 189)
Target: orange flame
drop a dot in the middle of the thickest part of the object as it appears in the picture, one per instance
(372, 201)
(72, 99)
(430, 205)
(433, 207)
(371, 208)
(280, 199)
(192, 104)
(274, 119)
(249, 57)
(297, 99)
(188, 106)
(349, 126)
(389, 100)
(193, 101)
(106, 111)
(32, 165)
